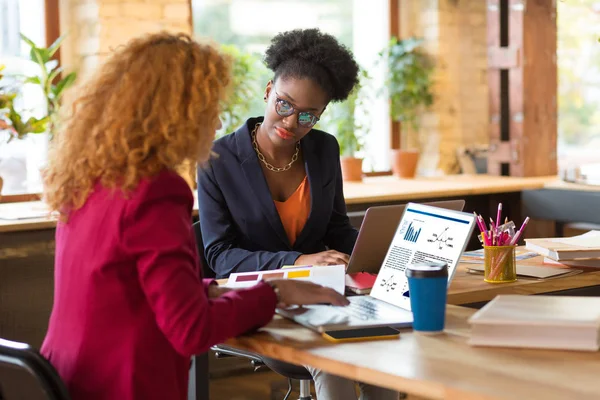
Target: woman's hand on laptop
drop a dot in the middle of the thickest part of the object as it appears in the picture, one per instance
(329, 257)
(294, 292)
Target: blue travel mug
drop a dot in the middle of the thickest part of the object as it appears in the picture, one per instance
(427, 289)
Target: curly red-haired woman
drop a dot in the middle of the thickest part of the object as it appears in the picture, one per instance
(129, 306)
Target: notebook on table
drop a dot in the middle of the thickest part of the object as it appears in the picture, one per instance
(548, 322)
(360, 282)
(533, 271)
(424, 234)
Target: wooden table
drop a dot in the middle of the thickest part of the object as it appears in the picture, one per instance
(477, 190)
(446, 367)
(436, 367)
(470, 289)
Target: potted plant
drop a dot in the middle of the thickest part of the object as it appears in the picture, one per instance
(244, 89)
(408, 86)
(349, 121)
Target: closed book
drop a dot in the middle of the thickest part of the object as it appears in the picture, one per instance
(545, 322)
(360, 282)
(592, 263)
(586, 246)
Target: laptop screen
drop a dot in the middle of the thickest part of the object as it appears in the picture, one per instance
(425, 233)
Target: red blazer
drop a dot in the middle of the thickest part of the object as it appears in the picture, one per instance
(129, 306)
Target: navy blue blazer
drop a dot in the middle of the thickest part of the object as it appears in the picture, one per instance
(241, 228)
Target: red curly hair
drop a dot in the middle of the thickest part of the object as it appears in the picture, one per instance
(153, 105)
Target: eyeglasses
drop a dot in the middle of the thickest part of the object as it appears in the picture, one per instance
(285, 109)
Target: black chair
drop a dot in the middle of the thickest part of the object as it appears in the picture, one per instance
(290, 371)
(24, 358)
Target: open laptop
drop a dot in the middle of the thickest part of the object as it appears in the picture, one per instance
(377, 231)
(425, 233)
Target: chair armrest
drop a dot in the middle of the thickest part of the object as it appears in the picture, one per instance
(222, 351)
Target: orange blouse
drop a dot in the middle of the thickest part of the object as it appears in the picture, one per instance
(294, 211)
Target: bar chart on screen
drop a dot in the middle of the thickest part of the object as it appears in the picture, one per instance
(412, 233)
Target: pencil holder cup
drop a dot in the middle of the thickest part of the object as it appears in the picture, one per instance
(500, 265)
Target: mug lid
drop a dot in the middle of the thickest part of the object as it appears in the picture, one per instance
(428, 269)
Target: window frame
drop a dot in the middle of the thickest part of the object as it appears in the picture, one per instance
(395, 128)
(52, 32)
(52, 21)
(394, 31)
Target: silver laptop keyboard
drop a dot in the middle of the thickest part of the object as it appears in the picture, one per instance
(362, 308)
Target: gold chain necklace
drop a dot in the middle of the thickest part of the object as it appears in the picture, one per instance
(262, 158)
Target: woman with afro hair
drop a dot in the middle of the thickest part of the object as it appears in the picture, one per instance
(273, 194)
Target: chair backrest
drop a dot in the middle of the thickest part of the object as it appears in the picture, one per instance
(207, 272)
(22, 357)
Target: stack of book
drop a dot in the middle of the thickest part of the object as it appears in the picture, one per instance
(577, 251)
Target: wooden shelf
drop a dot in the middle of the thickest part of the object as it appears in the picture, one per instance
(371, 190)
(390, 188)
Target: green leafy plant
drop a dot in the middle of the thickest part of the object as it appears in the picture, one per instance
(53, 86)
(11, 120)
(245, 86)
(6, 99)
(349, 119)
(408, 82)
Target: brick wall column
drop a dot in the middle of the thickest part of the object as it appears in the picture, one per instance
(95, 27)
(455, 37)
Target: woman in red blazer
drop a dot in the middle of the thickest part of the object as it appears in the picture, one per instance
(129, 306)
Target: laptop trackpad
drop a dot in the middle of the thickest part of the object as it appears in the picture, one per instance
(316, 315)
(321, 318)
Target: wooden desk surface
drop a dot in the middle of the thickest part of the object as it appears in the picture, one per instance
(372, 190)
(437, 367)
(390, 188)
(26, 224)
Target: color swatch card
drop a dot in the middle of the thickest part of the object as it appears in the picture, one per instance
(332, 276)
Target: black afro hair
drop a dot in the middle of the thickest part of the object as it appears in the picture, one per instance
(309, 53)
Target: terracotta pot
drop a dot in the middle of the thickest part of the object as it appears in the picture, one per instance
(352, 169)
(404, 163)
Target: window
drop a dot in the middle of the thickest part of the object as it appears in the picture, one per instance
(21, 160)
(579, 82)
(361, 25)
